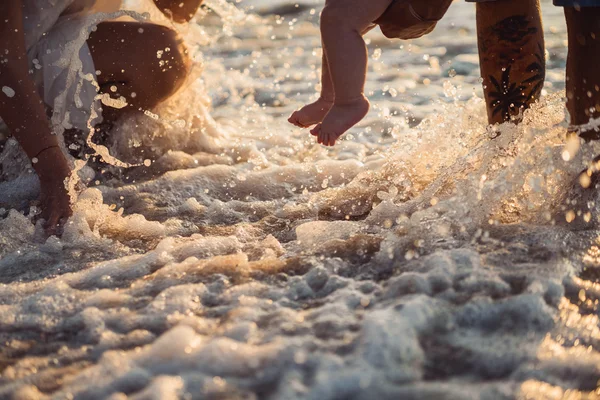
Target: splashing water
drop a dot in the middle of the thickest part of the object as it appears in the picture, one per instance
(424, 257)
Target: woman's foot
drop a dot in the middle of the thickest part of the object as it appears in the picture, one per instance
(340, 118)
(311, 114)
(53, 170)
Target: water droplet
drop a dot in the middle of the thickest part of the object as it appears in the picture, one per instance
(377, 54)
(585, 181)
(8, 91)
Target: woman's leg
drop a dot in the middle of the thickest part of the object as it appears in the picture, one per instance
(512, 56)
(144, 63)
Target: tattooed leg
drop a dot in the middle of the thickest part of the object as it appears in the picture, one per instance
(583, 76)
(512, 56)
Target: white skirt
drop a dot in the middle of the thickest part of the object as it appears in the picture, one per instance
(56, 33)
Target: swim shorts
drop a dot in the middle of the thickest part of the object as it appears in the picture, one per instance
(401, 21)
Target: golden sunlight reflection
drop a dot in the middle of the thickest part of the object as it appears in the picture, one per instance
(217, 250)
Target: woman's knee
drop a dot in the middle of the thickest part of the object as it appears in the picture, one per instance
(173, 62)
(151, 59)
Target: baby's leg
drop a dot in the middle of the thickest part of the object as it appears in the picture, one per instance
(313, 113)
(342, 25)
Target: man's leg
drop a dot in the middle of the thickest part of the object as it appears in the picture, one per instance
(512, 56)
(583, 67)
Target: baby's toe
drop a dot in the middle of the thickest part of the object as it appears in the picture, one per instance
(298, 122)
(330, 141)
(323, 137)
(316, 131)
(333, 138)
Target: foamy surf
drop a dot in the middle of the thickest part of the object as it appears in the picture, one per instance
(422, 258)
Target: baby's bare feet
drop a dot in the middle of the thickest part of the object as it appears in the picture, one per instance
(340, 118)
(311, 114)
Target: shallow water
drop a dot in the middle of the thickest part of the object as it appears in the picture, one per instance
(422, 258)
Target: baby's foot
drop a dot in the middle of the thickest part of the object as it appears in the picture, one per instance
(340, 118)
(311, 114)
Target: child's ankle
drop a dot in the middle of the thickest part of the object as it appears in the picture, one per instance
(350, 101)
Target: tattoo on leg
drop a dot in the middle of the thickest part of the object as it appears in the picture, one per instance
(505, 39)
(502, 46)
(538, 69)
(513, 29)
(506, 97)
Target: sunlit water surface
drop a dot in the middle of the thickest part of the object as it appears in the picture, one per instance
(424, 257)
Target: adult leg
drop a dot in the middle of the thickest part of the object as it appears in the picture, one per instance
(583, 93)
(583, 103)
(144, 63)
(583, 76)
(512, 56)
